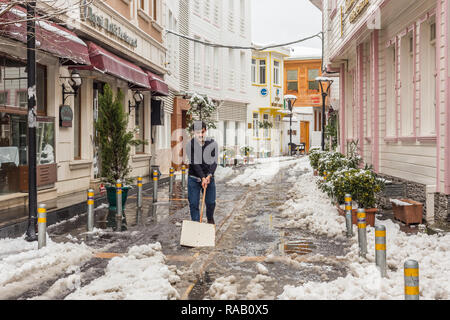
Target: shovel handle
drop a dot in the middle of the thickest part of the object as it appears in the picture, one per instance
(203, 204)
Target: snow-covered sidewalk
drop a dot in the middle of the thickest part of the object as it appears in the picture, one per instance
(311, 209)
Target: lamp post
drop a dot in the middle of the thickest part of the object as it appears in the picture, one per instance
(321, 81)
(32, 111)
(290, 99)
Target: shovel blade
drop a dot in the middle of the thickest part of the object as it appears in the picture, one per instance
(195, 234)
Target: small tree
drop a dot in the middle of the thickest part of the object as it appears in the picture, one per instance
(202, 108)
(113, 138)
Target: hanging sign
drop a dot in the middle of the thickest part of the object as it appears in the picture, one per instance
(65, 116)
(264, 92)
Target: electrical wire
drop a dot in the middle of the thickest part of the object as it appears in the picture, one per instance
(215, 45)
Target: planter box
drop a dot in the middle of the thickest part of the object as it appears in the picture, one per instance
(316, 173)
(370, 215)
(408, 214)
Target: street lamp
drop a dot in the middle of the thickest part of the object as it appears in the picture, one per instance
(321, 81)
(75, 82)
(290, 99)
(138, 98)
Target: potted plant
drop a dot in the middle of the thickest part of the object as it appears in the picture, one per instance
(246, 150)
(115, 143)
(363, 185)
(265, 124)
(314, 157)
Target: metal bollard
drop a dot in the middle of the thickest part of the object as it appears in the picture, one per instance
(362, 235)
(155, 186)
(90, 210)
(42, 226)
(411, 280)
(348, 215)
(171, 179)
(139, 193)
(183, 176)
(380, 249)
(119, 205)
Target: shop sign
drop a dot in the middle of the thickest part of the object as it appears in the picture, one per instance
(87, 14)
(264, 92)
(359, 9)
(65, 116)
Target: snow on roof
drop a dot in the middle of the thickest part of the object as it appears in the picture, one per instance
(305, 53)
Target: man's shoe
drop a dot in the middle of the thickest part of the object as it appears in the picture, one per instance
(211, 221)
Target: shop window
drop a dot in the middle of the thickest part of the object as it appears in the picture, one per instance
(255, 124)
(13, 81)
(313, 85)
(292, 80)
(14, 152)
(266, 130)
(77, 127)
(139, 126)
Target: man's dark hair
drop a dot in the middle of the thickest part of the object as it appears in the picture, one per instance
(199, 125)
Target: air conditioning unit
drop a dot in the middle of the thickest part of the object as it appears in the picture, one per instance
(157, 113)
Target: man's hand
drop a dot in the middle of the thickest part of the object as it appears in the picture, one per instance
(204, 183)
(208, 179)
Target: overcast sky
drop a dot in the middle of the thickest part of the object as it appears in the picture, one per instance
(281, 21)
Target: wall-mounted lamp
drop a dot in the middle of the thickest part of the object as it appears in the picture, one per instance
(138, 98)
(75, 81)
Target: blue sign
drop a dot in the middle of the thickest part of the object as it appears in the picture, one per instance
(278, 92)
(264, 92)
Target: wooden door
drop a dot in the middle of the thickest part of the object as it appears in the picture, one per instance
(304, 134)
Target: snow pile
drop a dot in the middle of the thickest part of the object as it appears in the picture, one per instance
(256, 288)
(364, 280)
(400, 203)
(222, 173)
(311, 209)
(224, 288)
(262, 269)
(24, 267)
(140, 274)
(261, 173)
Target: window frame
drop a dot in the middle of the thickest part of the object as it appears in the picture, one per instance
(277, 71)
(258, 72)
(292, 81)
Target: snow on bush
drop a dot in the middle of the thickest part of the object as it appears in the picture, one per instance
(24, 267)
(141, 274)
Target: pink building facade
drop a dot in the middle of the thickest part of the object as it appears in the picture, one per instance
(392, 59)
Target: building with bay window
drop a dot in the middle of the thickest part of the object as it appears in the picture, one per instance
(266, 111)
(392, 59)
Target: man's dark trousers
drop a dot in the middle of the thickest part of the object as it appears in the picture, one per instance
(194, 188)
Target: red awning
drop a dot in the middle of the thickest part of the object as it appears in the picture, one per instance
(107, 62)
(50, 37)
(159, 87)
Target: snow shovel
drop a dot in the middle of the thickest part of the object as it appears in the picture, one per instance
(197, 234)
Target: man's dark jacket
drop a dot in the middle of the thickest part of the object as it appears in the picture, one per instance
(202, 159)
